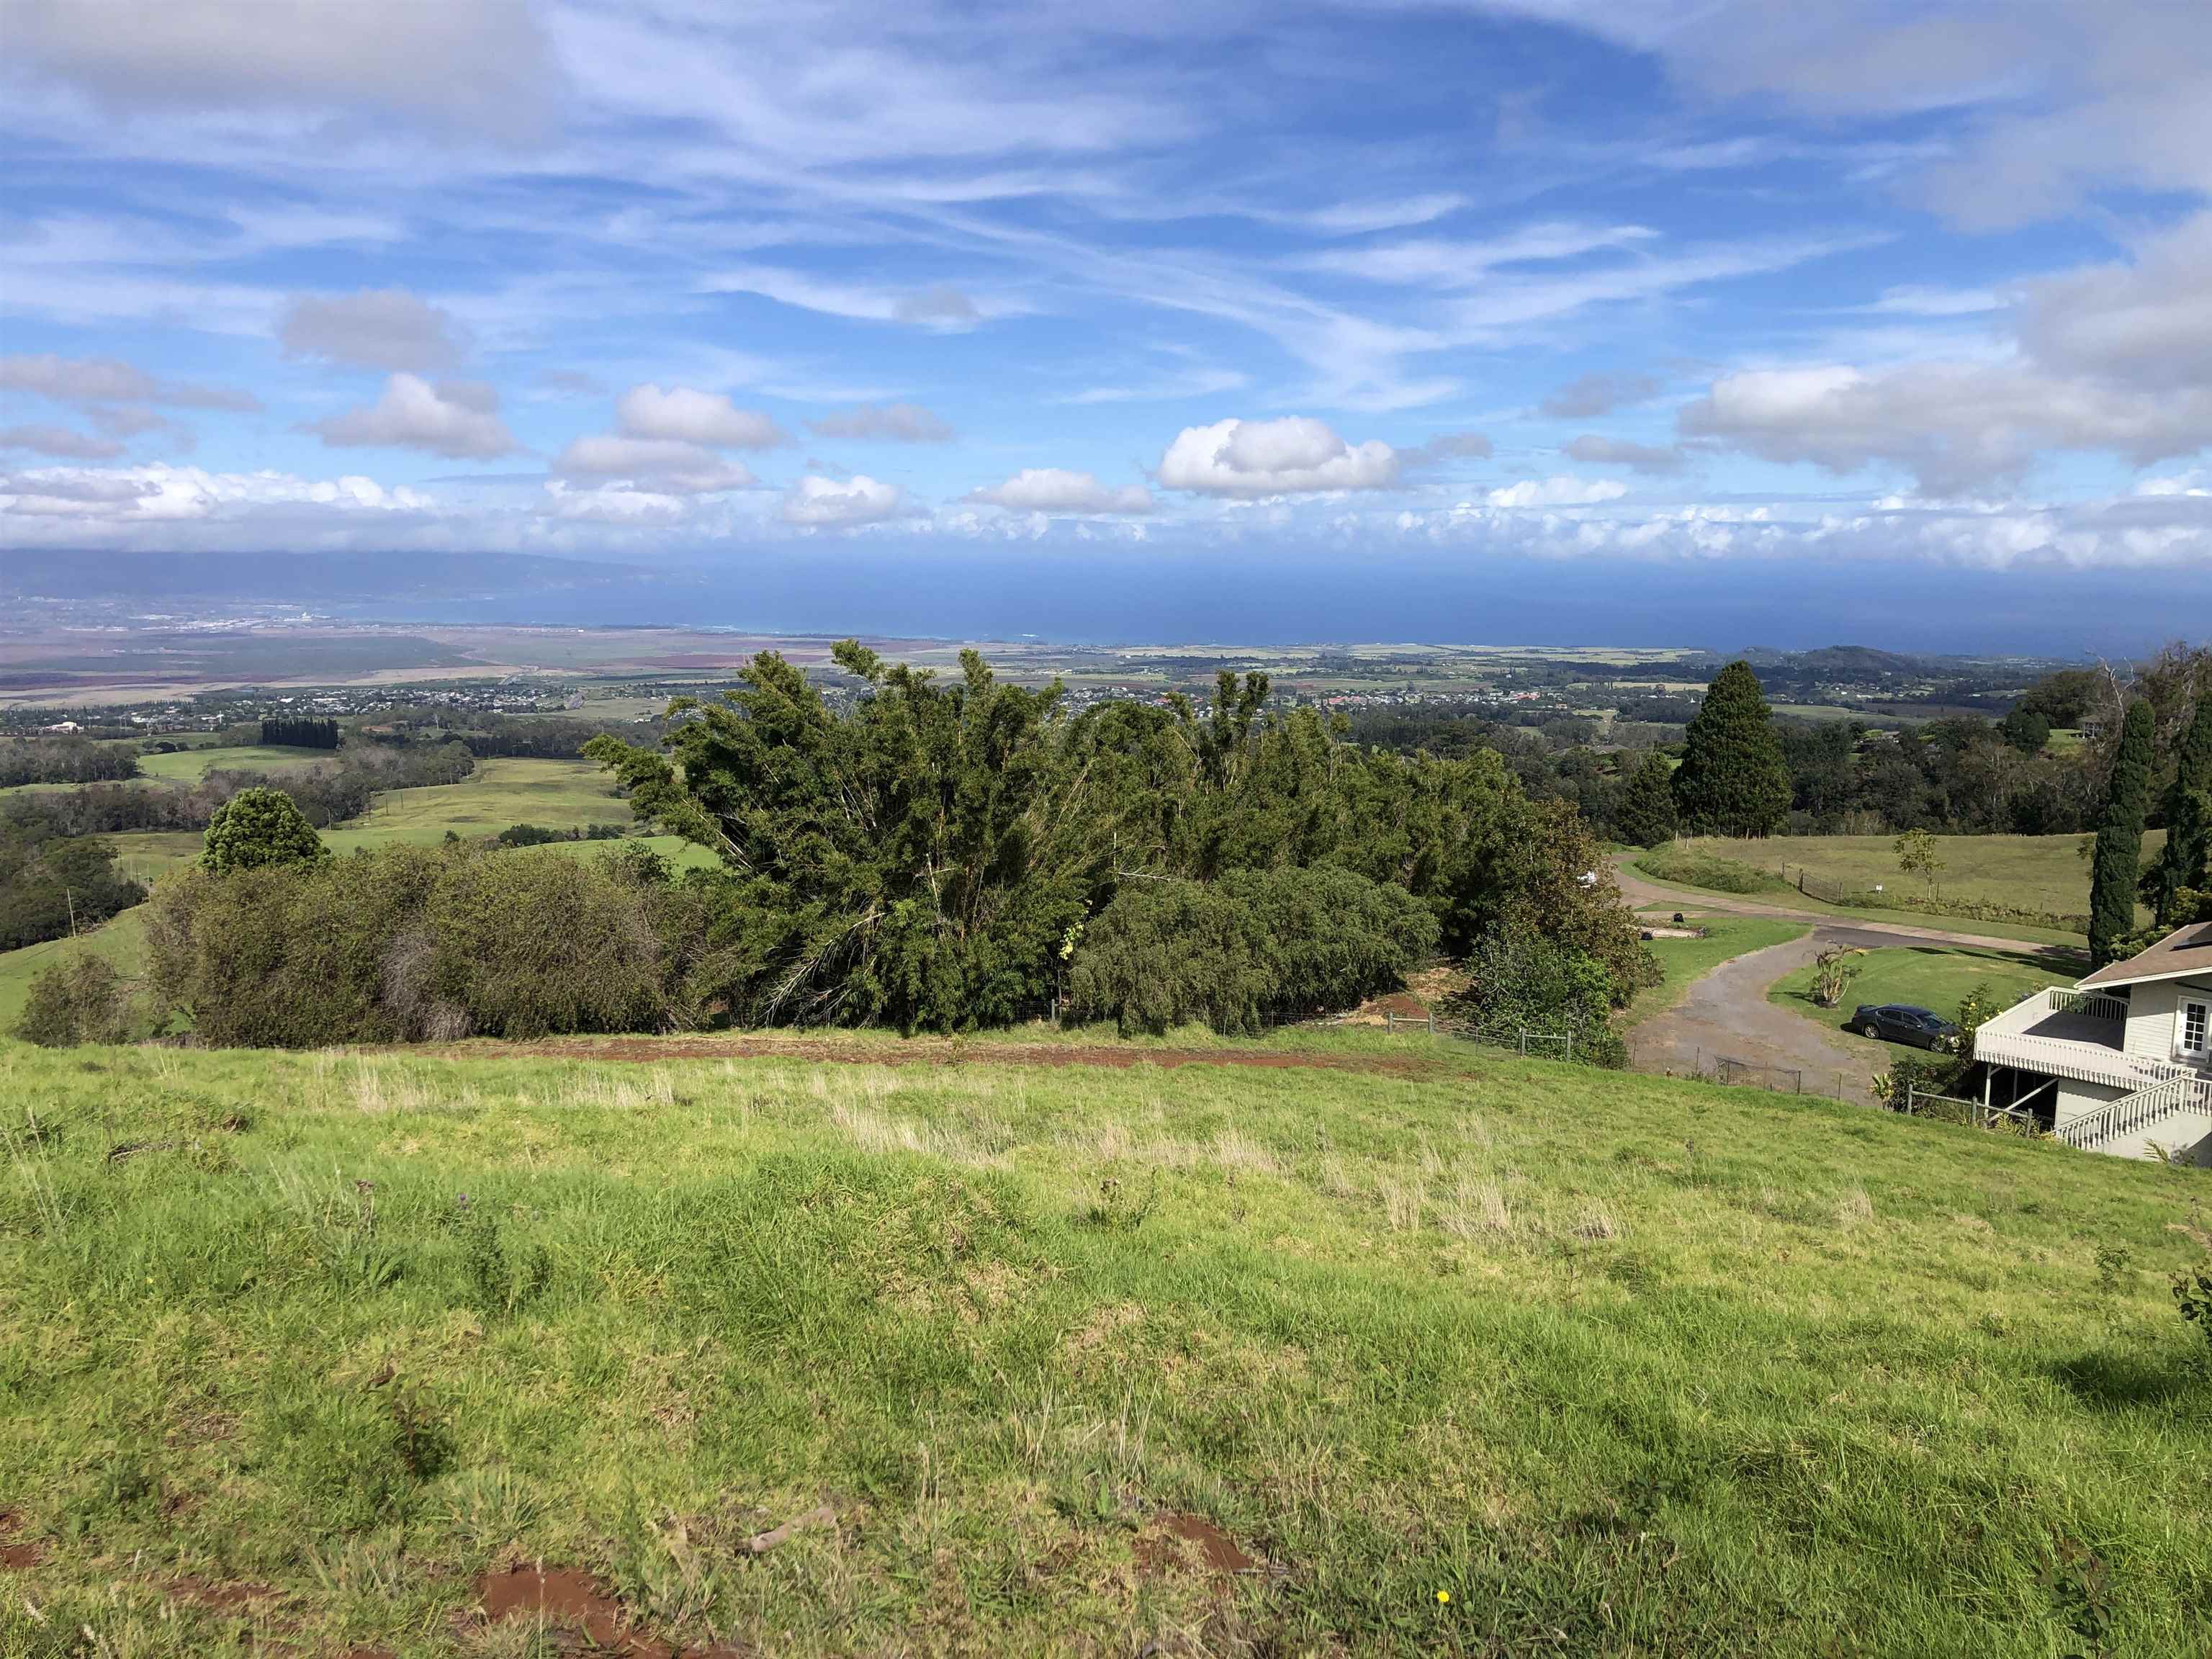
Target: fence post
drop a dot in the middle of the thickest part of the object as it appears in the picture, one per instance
(1570, 1045)
(1432, 1021)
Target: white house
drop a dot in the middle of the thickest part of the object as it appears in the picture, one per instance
(2121, 1063)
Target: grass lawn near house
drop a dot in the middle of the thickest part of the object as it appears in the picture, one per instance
(1927, 976)
(1616, 1363)
(1686, 960)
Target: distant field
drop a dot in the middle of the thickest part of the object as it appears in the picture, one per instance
(557, 794)
(187, 765)
(1930, 976)
(2033, 872)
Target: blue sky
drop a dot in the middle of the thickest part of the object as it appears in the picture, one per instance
(1486, 287)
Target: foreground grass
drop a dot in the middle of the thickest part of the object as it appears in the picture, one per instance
(1620, 1364)
(1683, 961)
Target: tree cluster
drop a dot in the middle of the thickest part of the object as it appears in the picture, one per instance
(63, 760)
(300, 731)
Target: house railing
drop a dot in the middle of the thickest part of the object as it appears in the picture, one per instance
(2132, 1114)
(2092, 1003)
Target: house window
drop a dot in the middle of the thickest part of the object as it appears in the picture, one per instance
(2195, 1016)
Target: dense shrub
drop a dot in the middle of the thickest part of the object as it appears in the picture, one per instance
(1253, 946)
(421, 943)
(77, 998)
(1523, 982)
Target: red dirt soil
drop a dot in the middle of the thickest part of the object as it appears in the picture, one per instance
(650, 1050)
(579, 1612)
(17, 1554)
(1185, 1537)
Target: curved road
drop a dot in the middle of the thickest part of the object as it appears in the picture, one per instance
(1726, 1012)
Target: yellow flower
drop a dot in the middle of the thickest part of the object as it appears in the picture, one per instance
(1443, 1596)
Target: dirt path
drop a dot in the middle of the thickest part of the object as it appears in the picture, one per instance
(1644, 894)
(1727, 1014)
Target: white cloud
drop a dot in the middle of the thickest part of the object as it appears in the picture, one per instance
(815, 502)
(661, 465)
(940, 308)
(477, 64)
(1438, 263)
(1593, 450)
(377, 328)
(1296, 455)
(898, 423)
(59, 440)
(167, 494)
(1557, 492)
(457, 419)
(681, 415)
(1055, 489)
(109, 379)
(609, 506)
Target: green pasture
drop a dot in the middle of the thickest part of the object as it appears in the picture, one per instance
(1926, 976)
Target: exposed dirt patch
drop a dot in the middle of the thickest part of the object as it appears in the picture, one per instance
(655, 1050)
(17, 1552)
(578, 1614)
(1177, 1542)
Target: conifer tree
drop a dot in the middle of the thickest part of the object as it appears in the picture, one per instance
(2117, 864)
(2187, 861)
(1733, 781)
(1646, 815)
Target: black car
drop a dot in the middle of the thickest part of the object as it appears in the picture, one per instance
(1900, 1022)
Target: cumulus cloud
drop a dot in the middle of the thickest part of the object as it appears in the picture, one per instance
(1593, 395)
(457, 419)
(60, 441)
(816, 502)
(1557, 492)
(483, 65)
(1251, 460)
(660, 466)
(384, 328)
(1593, 450)
(681, 415)
(170, 494)
(109, 379)
(1055, 489)
(897, 423)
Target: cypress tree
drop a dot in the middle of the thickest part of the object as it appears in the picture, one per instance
(2187, 862)
(1646, 815)
(1733, 781)
(2117, 864)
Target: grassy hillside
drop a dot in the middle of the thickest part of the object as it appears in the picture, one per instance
(2035, 872)
(1093, 1360)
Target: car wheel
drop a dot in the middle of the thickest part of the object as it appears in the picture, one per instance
(1870, 1029)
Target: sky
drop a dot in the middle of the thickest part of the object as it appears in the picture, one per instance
(1601, 299)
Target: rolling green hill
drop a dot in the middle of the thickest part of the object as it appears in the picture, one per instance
(1385, 1346)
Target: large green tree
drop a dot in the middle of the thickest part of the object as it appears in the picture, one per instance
(257, 828)
(1732, 781)
(2186, 864)
(2117, 864)
(1645, 816)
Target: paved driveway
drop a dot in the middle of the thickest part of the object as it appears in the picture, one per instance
(1726, 1013)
